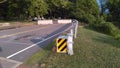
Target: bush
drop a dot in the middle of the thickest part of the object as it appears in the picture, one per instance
(90, 18)
(107, 28)
(117, 34)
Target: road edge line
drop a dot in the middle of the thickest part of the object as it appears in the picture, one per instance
(32, 46)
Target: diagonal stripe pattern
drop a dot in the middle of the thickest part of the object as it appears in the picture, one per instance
(61, 45)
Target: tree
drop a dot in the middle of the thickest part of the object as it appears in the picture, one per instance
(58, 8)
(73, 1)
(22, 9)
(114, 11)
(86, 10)
(17, 9)
(38, 8)
(3, 9)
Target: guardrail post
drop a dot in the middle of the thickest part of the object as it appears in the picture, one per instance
(76, 27)
(70, 43)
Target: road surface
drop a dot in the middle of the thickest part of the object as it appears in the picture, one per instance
(20, 43)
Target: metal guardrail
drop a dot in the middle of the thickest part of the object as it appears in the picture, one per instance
(70, 35)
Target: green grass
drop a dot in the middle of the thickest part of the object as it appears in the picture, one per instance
(43, 53)
(91, 50)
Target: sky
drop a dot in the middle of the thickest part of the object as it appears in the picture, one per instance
(98, 4)
(98, 1)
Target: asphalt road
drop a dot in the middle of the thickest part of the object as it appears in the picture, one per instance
(20, 43)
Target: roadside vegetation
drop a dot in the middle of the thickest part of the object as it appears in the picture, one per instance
(91, 50)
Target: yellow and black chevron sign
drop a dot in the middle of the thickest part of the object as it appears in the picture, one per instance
(61, 45)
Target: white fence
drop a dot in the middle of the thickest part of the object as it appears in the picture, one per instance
(63, 21)
(44, 22)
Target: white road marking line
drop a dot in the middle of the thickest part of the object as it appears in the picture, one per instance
(33, 45)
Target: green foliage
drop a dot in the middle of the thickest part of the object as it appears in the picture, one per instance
(107, 28)
(17, 8)
(114, 11)
(59, 8)
(86, 10)
(38, 8)
(22, 9)
(117, 36)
